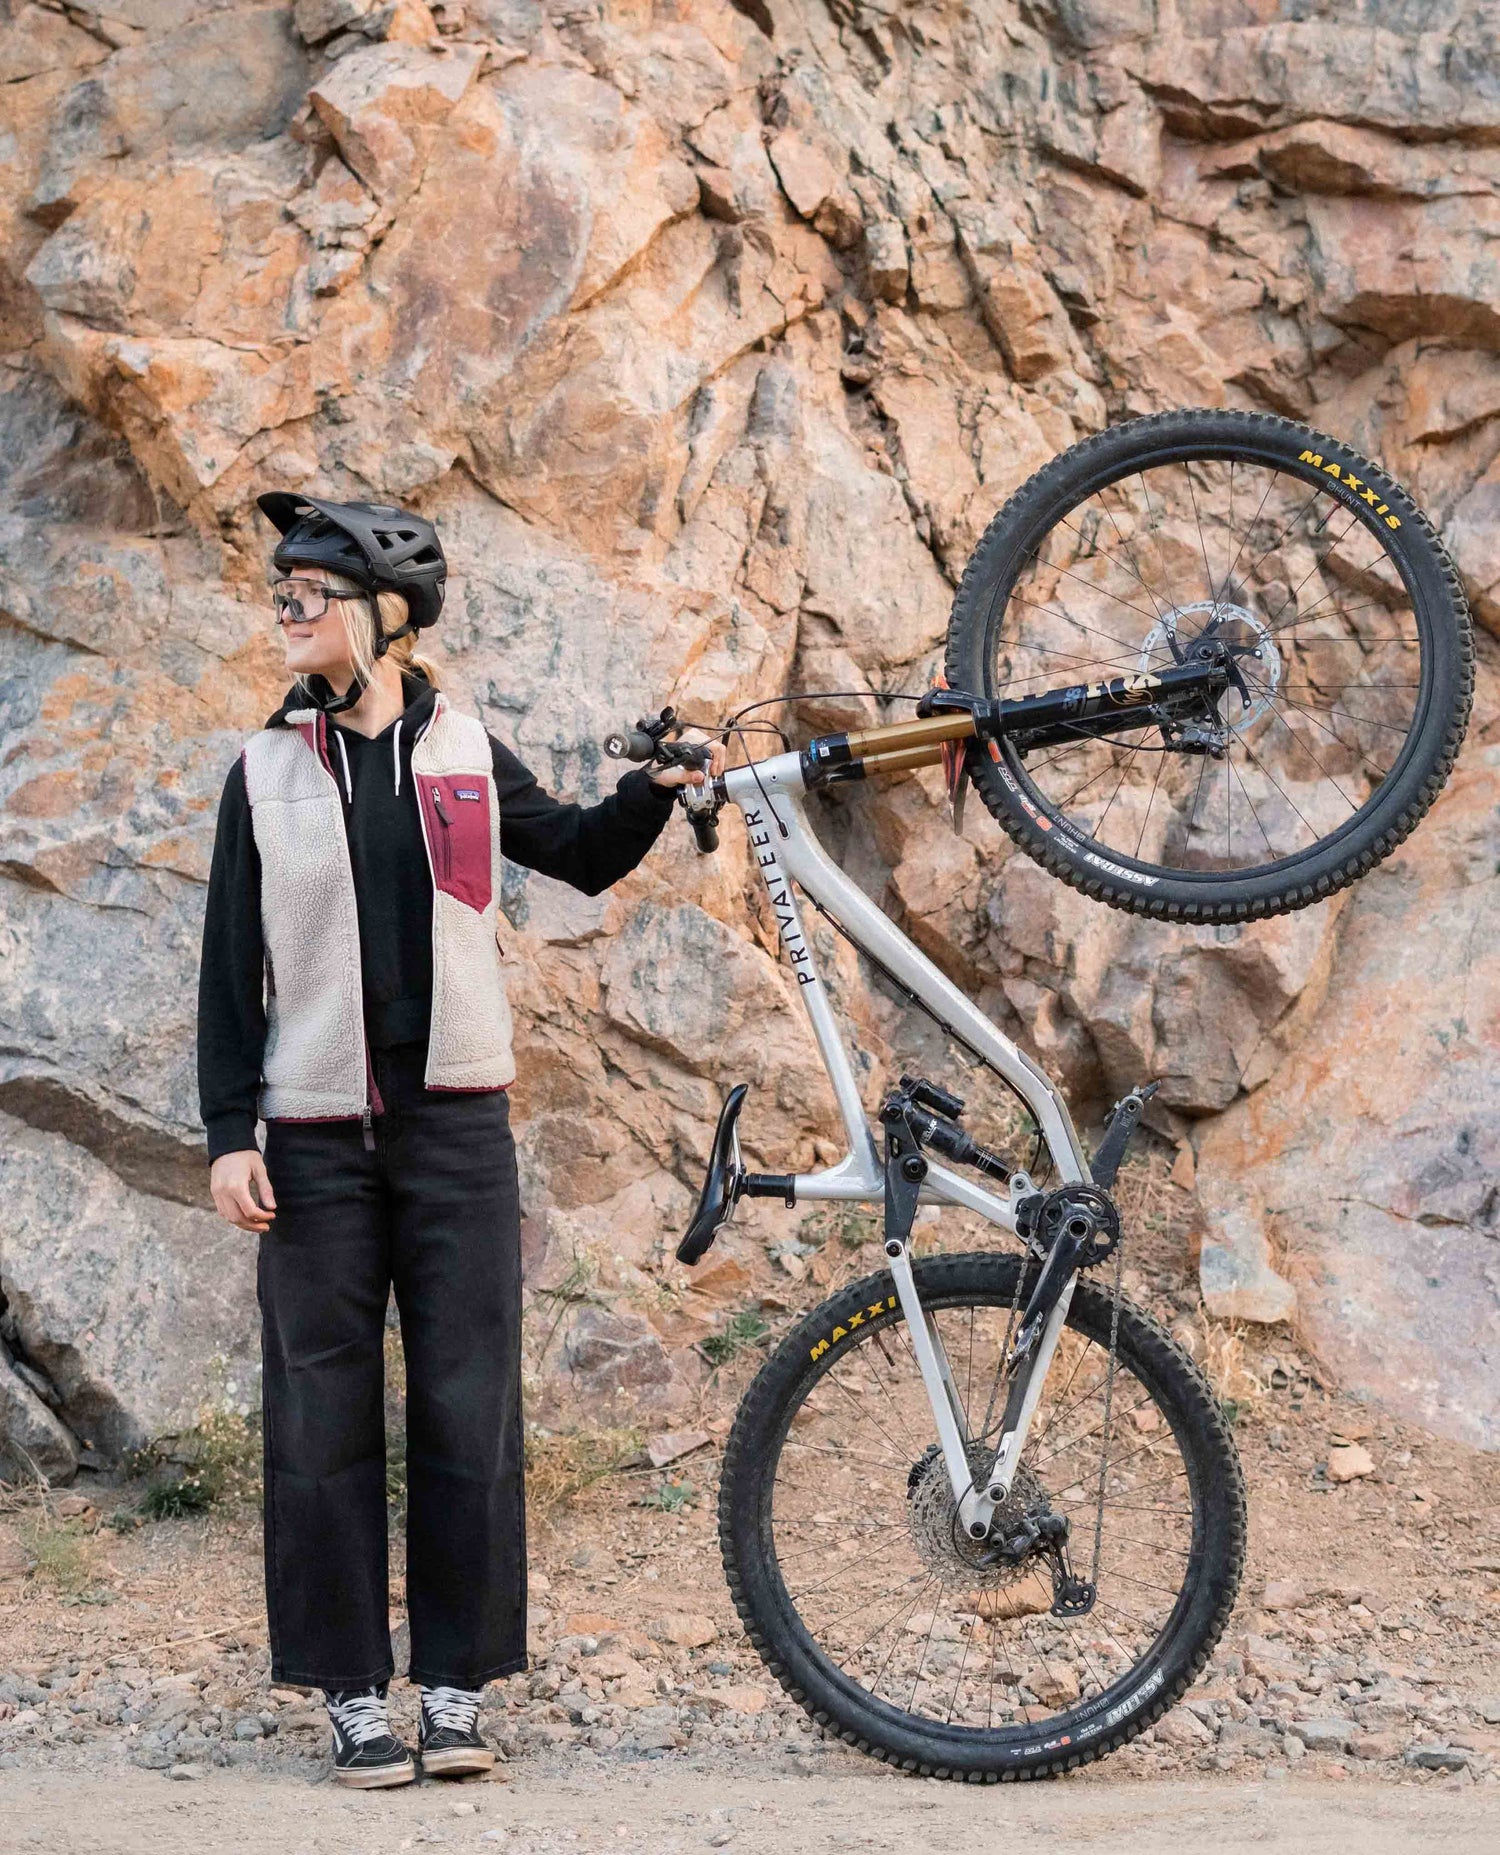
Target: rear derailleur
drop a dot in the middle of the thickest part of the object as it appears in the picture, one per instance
(1044, 1536)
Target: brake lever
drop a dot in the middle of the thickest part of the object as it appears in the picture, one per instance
(702, 811)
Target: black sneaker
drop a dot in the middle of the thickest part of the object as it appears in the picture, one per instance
(366, 1753)
(449, 1743)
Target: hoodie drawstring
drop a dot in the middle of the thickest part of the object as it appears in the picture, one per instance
(396, 750)
(344, 756)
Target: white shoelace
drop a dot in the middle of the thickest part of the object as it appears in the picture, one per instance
(361, 1717)
(455, 1707)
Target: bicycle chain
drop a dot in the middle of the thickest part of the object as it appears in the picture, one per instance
(1109, 1398)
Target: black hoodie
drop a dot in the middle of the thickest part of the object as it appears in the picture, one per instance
(589, 847)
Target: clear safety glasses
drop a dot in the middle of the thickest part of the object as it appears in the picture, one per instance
(302, 602)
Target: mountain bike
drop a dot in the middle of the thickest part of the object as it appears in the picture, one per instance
(980, 1515)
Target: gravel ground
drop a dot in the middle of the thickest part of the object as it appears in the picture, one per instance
(672, 1807)
(1322, 1677)
(1362, 1654)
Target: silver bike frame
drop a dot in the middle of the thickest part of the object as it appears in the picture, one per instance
(771, 796)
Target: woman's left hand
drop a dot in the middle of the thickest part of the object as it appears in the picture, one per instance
(687, 775)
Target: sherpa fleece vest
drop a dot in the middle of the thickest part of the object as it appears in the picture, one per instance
(316, 1064)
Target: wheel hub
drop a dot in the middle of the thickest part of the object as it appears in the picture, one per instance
(932, 1514)
(1220, 629)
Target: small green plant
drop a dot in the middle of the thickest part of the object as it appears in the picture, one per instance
(216, 1462)
(745, 1328)
(669, 1496)
(177, 1499)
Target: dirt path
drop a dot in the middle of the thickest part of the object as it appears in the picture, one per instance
(57, 1813)
(1353, 1702)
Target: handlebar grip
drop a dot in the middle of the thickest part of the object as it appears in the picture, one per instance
(705, 830)
(629, 744)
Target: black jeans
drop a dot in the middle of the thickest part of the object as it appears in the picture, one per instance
(435, 1210)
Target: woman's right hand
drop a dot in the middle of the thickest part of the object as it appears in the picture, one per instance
(230, 1179)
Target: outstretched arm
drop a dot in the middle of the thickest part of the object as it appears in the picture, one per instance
(588, 846)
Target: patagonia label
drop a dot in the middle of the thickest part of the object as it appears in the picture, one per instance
(464, 792)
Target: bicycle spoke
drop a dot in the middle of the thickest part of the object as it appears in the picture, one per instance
(1270, 847)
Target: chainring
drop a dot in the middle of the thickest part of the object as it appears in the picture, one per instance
(1043, 1219)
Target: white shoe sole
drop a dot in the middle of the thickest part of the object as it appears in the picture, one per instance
(378, 1780)
(457, 1759)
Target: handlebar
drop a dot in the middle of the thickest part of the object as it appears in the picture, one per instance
(650, 739)
(654, 737)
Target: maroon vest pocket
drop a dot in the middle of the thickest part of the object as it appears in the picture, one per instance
(456, 812)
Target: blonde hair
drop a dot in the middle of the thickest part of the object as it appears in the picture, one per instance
(393, 610)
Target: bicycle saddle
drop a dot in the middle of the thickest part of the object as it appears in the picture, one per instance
(722, 1182)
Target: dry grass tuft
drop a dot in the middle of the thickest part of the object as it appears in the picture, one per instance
(62, 1557)
(1228, 1351)
(57, 1550)
(216, 1462)
(560, 1464)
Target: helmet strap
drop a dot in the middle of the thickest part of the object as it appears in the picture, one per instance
(331, 704)
(385, 639)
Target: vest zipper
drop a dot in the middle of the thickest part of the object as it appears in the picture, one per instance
(372, 1102)
(437, 801)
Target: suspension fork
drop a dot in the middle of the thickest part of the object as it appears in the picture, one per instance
(905, 1169)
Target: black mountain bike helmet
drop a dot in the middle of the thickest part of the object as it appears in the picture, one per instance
(385, 550)
(380, 548)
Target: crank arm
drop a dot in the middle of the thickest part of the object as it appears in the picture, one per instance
(1123, 1121)
(1060, 1268)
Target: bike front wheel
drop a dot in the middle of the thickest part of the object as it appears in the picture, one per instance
(1280, 554)
(871, 1607)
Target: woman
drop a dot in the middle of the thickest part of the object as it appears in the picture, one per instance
(351, 995)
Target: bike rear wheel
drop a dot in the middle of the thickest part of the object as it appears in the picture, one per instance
(837, 1528)
(1319, 582)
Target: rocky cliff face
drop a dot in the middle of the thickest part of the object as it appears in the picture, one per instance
(712, 334)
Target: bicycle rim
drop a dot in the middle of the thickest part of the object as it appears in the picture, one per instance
(1332, 644)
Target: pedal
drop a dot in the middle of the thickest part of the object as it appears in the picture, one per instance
(1124, 1119)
